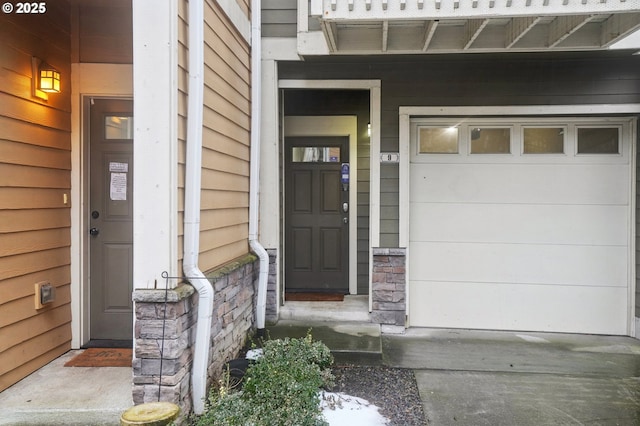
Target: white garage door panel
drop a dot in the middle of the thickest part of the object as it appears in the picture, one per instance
(519, 264)
(533, 308)
(520, 183)
(521, 241)
(520, 223)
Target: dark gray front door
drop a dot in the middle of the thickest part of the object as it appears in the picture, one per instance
(316, 215)
(111, 219)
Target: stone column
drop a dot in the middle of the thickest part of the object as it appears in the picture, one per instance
(389, 286)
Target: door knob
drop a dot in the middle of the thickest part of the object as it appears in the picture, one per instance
(94, 231)
(345, 220)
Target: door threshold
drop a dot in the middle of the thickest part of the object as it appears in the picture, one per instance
(108, 343)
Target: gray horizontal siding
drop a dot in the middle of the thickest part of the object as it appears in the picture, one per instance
(279, 18)
(477, 79)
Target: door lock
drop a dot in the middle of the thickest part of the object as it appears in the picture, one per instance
(345, 220)
(94, 231)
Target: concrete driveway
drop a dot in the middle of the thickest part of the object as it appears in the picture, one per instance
(508, 378)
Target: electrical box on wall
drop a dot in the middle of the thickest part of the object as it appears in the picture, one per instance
(44, 294)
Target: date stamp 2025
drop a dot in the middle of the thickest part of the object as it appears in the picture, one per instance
(24, 7)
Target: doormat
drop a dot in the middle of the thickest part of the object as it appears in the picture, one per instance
(102, 357)
(314, 297)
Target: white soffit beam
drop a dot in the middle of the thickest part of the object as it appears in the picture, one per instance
(619, 26)
(518, 28)
(473, 28)
(385, 35)
(563, 26)
(331, 35)
(429, 31)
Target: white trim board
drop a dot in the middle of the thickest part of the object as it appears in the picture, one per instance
(329, 84)
(506, 110)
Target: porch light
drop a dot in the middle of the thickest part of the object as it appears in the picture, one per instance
(44, 79)
(49, 79)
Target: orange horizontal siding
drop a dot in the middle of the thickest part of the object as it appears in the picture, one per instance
(35, 176)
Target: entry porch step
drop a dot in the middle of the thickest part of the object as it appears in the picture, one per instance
(351, 309)
(350, 342)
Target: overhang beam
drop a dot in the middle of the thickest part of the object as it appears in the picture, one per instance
(618, 26)
(565, 25)
(429, 31)
(518, 28)
(473, 29)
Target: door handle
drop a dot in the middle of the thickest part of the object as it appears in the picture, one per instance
(345, 220)
(345, 207)
(94, 231)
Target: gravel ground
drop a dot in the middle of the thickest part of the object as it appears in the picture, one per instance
(393, 390)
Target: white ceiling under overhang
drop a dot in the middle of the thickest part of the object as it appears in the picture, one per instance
(457, 26)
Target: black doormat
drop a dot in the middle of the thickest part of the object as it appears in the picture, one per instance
(314, 297)
(107, 343)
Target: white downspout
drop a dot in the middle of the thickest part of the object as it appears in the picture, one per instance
(193, 172)
(254, 185)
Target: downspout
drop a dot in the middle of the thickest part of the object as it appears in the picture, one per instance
(192, 186)
(254, 184)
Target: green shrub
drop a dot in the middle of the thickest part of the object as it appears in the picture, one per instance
(280, 388)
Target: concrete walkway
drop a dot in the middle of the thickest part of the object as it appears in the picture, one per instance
(464, 377)
(505, 378)
(59, 395)
(493, 378)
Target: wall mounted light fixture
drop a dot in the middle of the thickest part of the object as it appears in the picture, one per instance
(44, 79)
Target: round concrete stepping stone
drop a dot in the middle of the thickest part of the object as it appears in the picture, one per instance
(150, 414)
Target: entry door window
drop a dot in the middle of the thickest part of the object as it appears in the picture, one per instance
(118, 127)
(315, 154)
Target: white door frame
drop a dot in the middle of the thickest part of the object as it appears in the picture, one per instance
(405, 114)
(100, 81)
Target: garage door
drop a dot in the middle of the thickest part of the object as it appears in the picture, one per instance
(521, 224)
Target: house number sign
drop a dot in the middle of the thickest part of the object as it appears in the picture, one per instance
(389, 157)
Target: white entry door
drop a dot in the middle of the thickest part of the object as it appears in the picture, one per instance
(521, 225)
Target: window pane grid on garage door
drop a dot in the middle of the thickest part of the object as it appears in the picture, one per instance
(543, 140)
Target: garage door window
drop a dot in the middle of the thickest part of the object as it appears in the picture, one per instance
(598, 140)
(490, 140)
(438, 140)
(519, 139)
(543, 140)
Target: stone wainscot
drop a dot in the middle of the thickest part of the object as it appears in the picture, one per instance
(172, 314)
